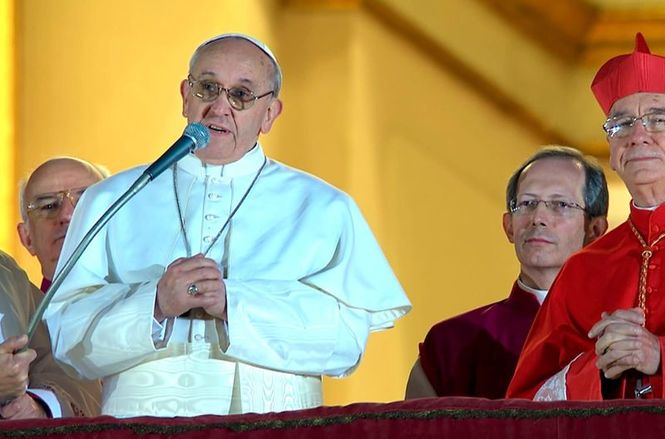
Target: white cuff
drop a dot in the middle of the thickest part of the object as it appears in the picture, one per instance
(48, 397)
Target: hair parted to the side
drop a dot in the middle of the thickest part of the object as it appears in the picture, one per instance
(596, 194)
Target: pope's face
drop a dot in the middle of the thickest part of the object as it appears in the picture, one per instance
(231, 63)
(639, 157)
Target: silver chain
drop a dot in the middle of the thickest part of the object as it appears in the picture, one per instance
(228, 220)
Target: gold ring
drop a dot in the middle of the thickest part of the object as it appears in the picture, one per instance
(192, 290)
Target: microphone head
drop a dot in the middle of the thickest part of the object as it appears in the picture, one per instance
(198, 133)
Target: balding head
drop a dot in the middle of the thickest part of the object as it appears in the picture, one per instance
(47, 200)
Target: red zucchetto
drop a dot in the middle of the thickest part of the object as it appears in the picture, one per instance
(627, 74)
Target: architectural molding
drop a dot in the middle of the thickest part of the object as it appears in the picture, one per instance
(474, 80)
(582, 33)
(575, 31)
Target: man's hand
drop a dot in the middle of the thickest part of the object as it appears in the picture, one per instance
(173, 298)
(623, 343)
(23, 407)
(14, 367)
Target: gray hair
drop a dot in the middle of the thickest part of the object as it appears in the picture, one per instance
(277, 70)
(596, 195)
(101, 170)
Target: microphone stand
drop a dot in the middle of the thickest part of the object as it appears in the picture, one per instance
(195, 137)
(139, 184)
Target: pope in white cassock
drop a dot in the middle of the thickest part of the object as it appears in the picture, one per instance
(232, 282)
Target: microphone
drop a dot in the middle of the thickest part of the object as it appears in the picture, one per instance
(195, 137)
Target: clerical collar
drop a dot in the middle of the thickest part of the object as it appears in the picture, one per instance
(540, 294)
(652, 208)
(249, 164)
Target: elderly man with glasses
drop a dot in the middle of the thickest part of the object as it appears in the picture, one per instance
(46, 200)
(232, 282)
(556, 202)
(600, 334)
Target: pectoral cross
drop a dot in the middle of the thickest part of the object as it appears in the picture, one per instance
(641, 390)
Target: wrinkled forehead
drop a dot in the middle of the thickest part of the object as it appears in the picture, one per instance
(236, 47)
(58, 175)
(237, 37)
(238, 55)
(637, 104)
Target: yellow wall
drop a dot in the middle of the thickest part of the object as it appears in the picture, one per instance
(425, 156)
(7, 241)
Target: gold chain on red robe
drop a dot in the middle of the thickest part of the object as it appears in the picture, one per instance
(647, 252)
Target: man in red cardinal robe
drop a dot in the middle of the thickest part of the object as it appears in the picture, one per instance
(600, 333)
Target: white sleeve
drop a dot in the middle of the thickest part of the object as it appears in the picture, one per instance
(49, 398)
(291, 326)
(99, 327)
(318, 324)
(100, 331)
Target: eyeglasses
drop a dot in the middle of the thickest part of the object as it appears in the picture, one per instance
(622, 126)
(557, 207)
(240, 98)
(48, 206)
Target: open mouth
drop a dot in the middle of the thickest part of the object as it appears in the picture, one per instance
(218, 129)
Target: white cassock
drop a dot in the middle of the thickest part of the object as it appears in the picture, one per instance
(306, 282)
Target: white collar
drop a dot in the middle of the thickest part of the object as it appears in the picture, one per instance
(248, 164)
(652, 208)
(540, 294)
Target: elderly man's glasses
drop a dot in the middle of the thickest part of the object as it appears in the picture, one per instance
(239, 98)
(557, 207)
(622, 126)
(48, 206)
